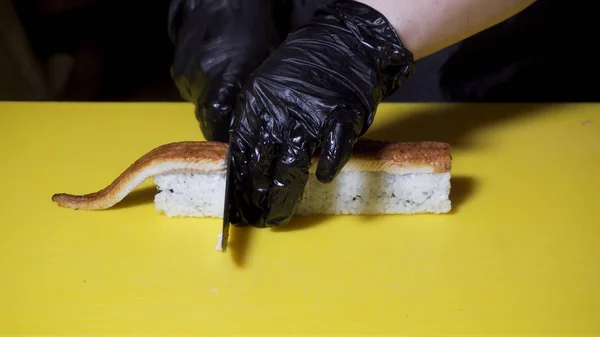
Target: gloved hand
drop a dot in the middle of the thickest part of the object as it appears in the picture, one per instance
(218, 44)
(317, 91)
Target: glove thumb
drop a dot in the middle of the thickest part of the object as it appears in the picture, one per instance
(341, 133)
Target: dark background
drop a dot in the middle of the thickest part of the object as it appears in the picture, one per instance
(105, 50)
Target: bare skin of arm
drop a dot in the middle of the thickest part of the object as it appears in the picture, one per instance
(427, 26)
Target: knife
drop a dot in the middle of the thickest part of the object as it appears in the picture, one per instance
(226, 205)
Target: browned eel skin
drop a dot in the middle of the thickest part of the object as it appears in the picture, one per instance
(181, 154)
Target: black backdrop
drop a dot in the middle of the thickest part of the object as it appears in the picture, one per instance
(121, 52)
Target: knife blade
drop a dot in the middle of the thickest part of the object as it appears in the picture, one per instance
(226, 205)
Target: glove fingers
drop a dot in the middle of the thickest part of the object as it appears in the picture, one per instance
(216, 105)
(337, 144)
(213, 126)
(240, 178)
(260, 164)
(214, 116)
(289, 179)
(253, 155)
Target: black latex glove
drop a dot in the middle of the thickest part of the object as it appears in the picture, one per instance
(317, 91)
(218, 44)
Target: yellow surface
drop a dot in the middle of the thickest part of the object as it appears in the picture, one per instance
(519, 254)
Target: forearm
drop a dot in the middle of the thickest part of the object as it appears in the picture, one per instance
(426, 26)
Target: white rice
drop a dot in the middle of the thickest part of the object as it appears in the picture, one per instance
(352, 192)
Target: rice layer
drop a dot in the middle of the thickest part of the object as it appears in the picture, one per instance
(352, 192)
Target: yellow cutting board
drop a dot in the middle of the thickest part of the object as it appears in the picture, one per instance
(520, 253)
